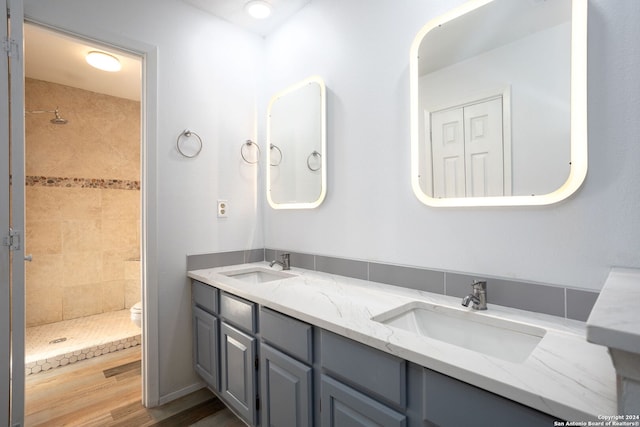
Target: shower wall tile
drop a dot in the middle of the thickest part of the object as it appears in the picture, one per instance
(119, 234)
(101, 139)
(113, 264)
(44, 204)
(132, 292)
(81, 268)
(82, 203)
(44, 304)
(44, 237)
(120, 205)
(113, 295)
(81, 236)
(82, 300)
(79, 204)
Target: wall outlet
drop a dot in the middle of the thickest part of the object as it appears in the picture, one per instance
(223, 208)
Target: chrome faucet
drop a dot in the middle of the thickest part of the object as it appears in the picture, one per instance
(285, 263)
(478, 296)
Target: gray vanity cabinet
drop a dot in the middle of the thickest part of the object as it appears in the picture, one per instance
(450, 402)
(206, 334)
(286, 378)
(238, 356)
(302, 375)
(361, 386)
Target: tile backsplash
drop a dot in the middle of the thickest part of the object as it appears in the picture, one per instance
(558, 301)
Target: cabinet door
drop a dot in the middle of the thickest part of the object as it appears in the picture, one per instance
(238, 371)
(342, 406)
(205, 347)
(286, 390)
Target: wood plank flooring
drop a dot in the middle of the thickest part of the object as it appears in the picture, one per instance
(106, 391)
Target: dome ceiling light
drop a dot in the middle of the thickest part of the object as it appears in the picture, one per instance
(103, 61)
(258, 9)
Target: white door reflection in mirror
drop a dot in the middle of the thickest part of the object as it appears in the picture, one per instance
(520, 67)
(467, 146)
(296, 141)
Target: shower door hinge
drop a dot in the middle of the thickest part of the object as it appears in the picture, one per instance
(12, 240)
(10, 47)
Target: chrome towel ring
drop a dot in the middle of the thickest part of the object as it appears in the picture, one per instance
(180, 143)
(314, 154)
(272, 147)
(247, 144)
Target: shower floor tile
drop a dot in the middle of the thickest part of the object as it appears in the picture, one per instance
(61, 343)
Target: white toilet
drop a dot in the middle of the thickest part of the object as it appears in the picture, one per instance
(136, 313)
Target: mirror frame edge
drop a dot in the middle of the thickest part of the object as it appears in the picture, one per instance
(323, 142)
(579, 120)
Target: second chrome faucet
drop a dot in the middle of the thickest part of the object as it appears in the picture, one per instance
(478, 296)
(285, 263)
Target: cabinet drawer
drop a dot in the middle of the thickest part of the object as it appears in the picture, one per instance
(238, 311)
(287, 334)
(205, 296)
(372, 371)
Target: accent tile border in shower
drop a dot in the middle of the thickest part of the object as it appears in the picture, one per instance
(571, 303)
(105, 184)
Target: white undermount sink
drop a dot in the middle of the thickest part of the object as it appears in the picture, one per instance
(256, 275)
(476, 331)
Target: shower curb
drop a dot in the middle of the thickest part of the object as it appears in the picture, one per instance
(68, 358)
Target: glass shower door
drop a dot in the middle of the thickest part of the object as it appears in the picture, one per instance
(12, 220)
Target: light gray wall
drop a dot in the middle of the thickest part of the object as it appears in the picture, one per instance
(361, 49)
(208, 73)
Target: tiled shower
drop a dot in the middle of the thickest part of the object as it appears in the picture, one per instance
(82, 223)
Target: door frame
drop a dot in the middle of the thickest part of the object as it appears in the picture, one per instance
(148, 168)
(5, 221)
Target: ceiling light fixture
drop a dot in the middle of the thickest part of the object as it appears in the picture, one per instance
(103, 61)
(258, 9)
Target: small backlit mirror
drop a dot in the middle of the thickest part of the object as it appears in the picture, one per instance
(297, 146)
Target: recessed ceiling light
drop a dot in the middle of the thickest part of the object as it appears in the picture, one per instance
(258, 9)
(103, 61)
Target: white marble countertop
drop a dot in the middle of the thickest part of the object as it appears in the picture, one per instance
(564, 376)
(615, 318)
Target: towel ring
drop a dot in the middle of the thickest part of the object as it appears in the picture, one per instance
(249, 143)
(314, 154)
(271, 147)
(188, 134)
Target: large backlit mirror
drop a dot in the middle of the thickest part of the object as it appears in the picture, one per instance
(296, 146)
(498, 104)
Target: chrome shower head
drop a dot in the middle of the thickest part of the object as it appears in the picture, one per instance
(57, 120)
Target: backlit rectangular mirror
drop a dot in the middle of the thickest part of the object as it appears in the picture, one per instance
(498, 104)
(296, 146)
